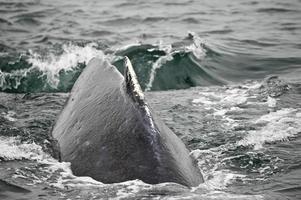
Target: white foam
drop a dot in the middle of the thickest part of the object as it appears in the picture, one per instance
(130, 188)
(235, 96)
(234, 100)
(277, 126)
(223, 101)
(215, 182)
(67, 178)
(157, 65)
(196, 48)
(10, 116)
(13, 149)
(230, 97)
(203, 100)
(241, 106)
(51, 65)
(219, 195)
(12, 79)
(72, 55)
(2, 80)
(221, 179)
(272, 102)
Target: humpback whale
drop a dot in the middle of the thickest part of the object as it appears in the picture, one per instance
(109, 132)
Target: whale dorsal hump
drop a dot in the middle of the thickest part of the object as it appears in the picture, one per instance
(131, 83)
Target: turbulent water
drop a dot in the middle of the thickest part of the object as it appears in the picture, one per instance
(225, 76)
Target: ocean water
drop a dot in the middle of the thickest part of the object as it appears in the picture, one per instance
(224, 75)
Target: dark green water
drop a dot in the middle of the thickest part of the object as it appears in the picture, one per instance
(225, 76)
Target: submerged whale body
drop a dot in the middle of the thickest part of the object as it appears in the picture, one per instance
(108, 132)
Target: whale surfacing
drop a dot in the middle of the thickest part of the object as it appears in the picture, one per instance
(108, 132)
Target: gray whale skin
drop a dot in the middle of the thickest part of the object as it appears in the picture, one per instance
(108, 132)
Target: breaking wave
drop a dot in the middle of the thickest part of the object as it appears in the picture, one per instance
(188, 63)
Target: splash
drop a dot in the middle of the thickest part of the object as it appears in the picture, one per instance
(13, 149)
(72, 55)
(197, 46)
(50, 72)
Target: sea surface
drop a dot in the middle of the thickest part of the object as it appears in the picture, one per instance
(224, 75)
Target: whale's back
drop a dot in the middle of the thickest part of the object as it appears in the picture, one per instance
(107, 131)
